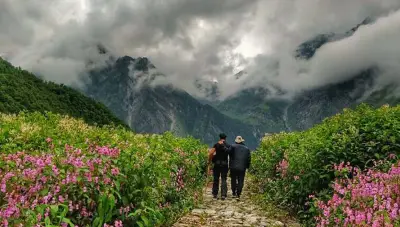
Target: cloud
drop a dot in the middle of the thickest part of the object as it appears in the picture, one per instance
(203, 40)
(371, 46)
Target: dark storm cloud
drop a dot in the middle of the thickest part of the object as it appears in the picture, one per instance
(191, 40)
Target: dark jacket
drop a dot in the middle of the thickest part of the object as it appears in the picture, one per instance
(239, 157)
(221, 156)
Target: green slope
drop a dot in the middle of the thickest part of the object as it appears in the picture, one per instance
(22, 91)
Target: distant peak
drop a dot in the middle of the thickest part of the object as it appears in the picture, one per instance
(101, 49)
(126, 59)
(367, 20)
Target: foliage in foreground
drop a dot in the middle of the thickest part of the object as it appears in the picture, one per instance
(23, 91)
(58, 171)
(370, 198)
(291, 166)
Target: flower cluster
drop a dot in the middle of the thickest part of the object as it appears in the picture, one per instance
(31, 183)
(282, 167)
(178, 179)
(369, 198)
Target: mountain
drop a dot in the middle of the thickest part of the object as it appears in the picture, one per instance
(310, 107)
(251, 107)
(23, 91)
(125, 86)
(315, 105)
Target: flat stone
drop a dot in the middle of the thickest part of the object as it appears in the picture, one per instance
(210, 212)
(197, 211)
(227, 213)
(278, 223)
(252, 219)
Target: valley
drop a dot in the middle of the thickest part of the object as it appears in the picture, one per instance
(122, 143)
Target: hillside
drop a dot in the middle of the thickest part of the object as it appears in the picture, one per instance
(23, 91)
(74, 174)
(124, 87)
(300, 171)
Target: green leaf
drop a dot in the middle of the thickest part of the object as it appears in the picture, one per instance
(66, 220)
(97, 222)
(47, 221)
(145, 220)
(53, 209)
(44, 192)
(117, 185)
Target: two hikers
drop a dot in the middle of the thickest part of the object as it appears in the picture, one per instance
(239, 161)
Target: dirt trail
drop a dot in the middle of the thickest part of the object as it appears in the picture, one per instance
(227, 213)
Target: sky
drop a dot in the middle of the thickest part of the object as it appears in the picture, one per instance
(204, 40)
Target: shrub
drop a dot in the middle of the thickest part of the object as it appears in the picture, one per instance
(57, 170)
(291, 166)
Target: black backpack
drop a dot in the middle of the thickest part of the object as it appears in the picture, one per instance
(221, 155)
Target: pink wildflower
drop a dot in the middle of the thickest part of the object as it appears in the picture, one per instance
(118, 223)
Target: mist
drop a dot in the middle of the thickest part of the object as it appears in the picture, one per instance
(205, 40)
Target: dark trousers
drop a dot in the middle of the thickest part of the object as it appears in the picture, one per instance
(220, 171)
(237, 181)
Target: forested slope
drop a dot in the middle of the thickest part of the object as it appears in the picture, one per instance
(23, 91)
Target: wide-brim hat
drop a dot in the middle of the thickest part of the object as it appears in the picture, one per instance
(239, 139)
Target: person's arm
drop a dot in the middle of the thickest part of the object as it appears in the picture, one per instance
(210, 157)
(230, 152)
(228, 148)
(211, 154)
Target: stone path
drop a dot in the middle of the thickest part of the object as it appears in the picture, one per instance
(228, 213)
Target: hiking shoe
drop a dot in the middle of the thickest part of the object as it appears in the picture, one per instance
(223, 197)
(215, 197)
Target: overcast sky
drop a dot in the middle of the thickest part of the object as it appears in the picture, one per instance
(206, 40)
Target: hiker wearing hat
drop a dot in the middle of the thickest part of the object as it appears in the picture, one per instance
(218, 155)
(239, 161)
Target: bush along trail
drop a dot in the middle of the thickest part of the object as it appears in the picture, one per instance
(59, 171)
(342, 172)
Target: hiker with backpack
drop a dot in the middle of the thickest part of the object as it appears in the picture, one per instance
(218, 155)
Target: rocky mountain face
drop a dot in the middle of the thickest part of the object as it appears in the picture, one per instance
(125, 87)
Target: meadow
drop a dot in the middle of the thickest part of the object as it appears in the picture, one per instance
(343, 170)
(59, 171)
